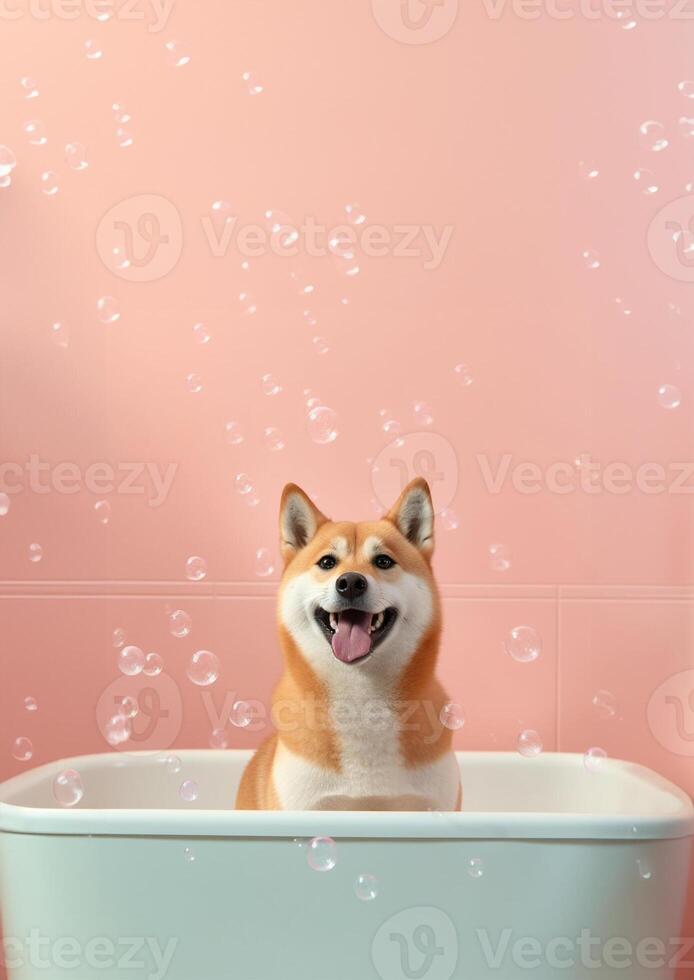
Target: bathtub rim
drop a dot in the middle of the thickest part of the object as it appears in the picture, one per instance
(239, 824)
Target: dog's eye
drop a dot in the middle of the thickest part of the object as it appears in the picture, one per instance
(327, 562)
(383, 561)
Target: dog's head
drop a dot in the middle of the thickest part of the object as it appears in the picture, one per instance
(358, 593)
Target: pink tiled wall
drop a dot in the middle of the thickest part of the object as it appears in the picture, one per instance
(489, 134)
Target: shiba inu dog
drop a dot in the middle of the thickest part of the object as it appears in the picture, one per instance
(357, 709)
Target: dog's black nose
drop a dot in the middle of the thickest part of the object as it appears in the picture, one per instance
(351, 586)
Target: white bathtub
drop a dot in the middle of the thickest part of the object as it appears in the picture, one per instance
(581, 872)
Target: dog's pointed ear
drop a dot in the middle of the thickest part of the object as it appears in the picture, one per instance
(299, 520)
(413, 515)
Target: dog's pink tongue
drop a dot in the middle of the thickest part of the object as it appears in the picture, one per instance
(352, 640)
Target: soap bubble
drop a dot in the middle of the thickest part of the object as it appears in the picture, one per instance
(30, 87)
(464, 375)
(448, 519)
(274, 440)
(107, 309)
(60, 335)
(131, 661)
(652, 135)
(200, 333)
(320, 345)
(321, 854)
(234, 433)
(282, 229)
(8, 162)
(196, 568)
(355, 215)
(241, 714)
(31, 704)
(128, 707)
(587, 171)
(180, 623)
(153, 665)
(523, 644)
(93, 50)
(194, 383)
(686, 88)
(124, 137)
(253, 86)
(594, 759)
(189, 791)
(76, 156)
(623, 307)
(322, 425)
(67, 787)
(35, 552)
(22, 749)
(669, 396)
(102, 509)
(366, 888)
(591, 258)
(189, 855)
(249, 307)
(172, 764)
(34, 132)
(499, 557)
(118, 637)
(264, 562)
(644, 868)
(218, 739)
(646, 181)
(269, 385)
(686, 127)
(49, 183)
(452, 716)
(529, 743)
(117, 730)
(176, 57)
(203, 669)
(422, 413)
(4, 505)
(475, 867)
(242, 483)
(605, 703)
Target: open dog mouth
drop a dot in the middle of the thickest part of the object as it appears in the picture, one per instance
(353, 633)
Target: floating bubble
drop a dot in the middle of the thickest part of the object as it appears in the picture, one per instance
(686, 127)
(248, 305)
(196, 568)
(366, 888)
(131, 661)
(22, 749)
(194, 383)
(243, 484)
(118, 638)
(203, 669)
(422, 414)
(30, 87)
(355, 215)
(523, 644)
(93, 51)
(241, 714)
(4, 505)
(31, 704)
(117, 730)
(448, 519)
(264, 563)
(76, 156)
(124, 137)
(587, 171)
(234, 433)
(475, 867)
(529, 743)
(128, 707)
(464, 375)
(320, 345)
(172, 764)
(35, 552)
(107, 309)
(644, 868)
(49, 183)
(153, 665)
(60, 335)
(605, 704)
(218, 739)
(180, 623)
(646, 181)
(189, 791)
(686, 88)
(499, 557)
(321, 854)
(282, 229)
(8, 162)
(274, 439)
(176, 56)
(189, 855)
(35, 132)
(253, 86)
(591, 259)
(270, 386)
(652, 135)
(622, 306)
(222, 210)
(201, 334)
(452, 716)
(669, 396)
(67, 788)
(322, 425)
(594, 759)
(102, 508)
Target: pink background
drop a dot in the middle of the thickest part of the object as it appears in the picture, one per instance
(482, 130)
